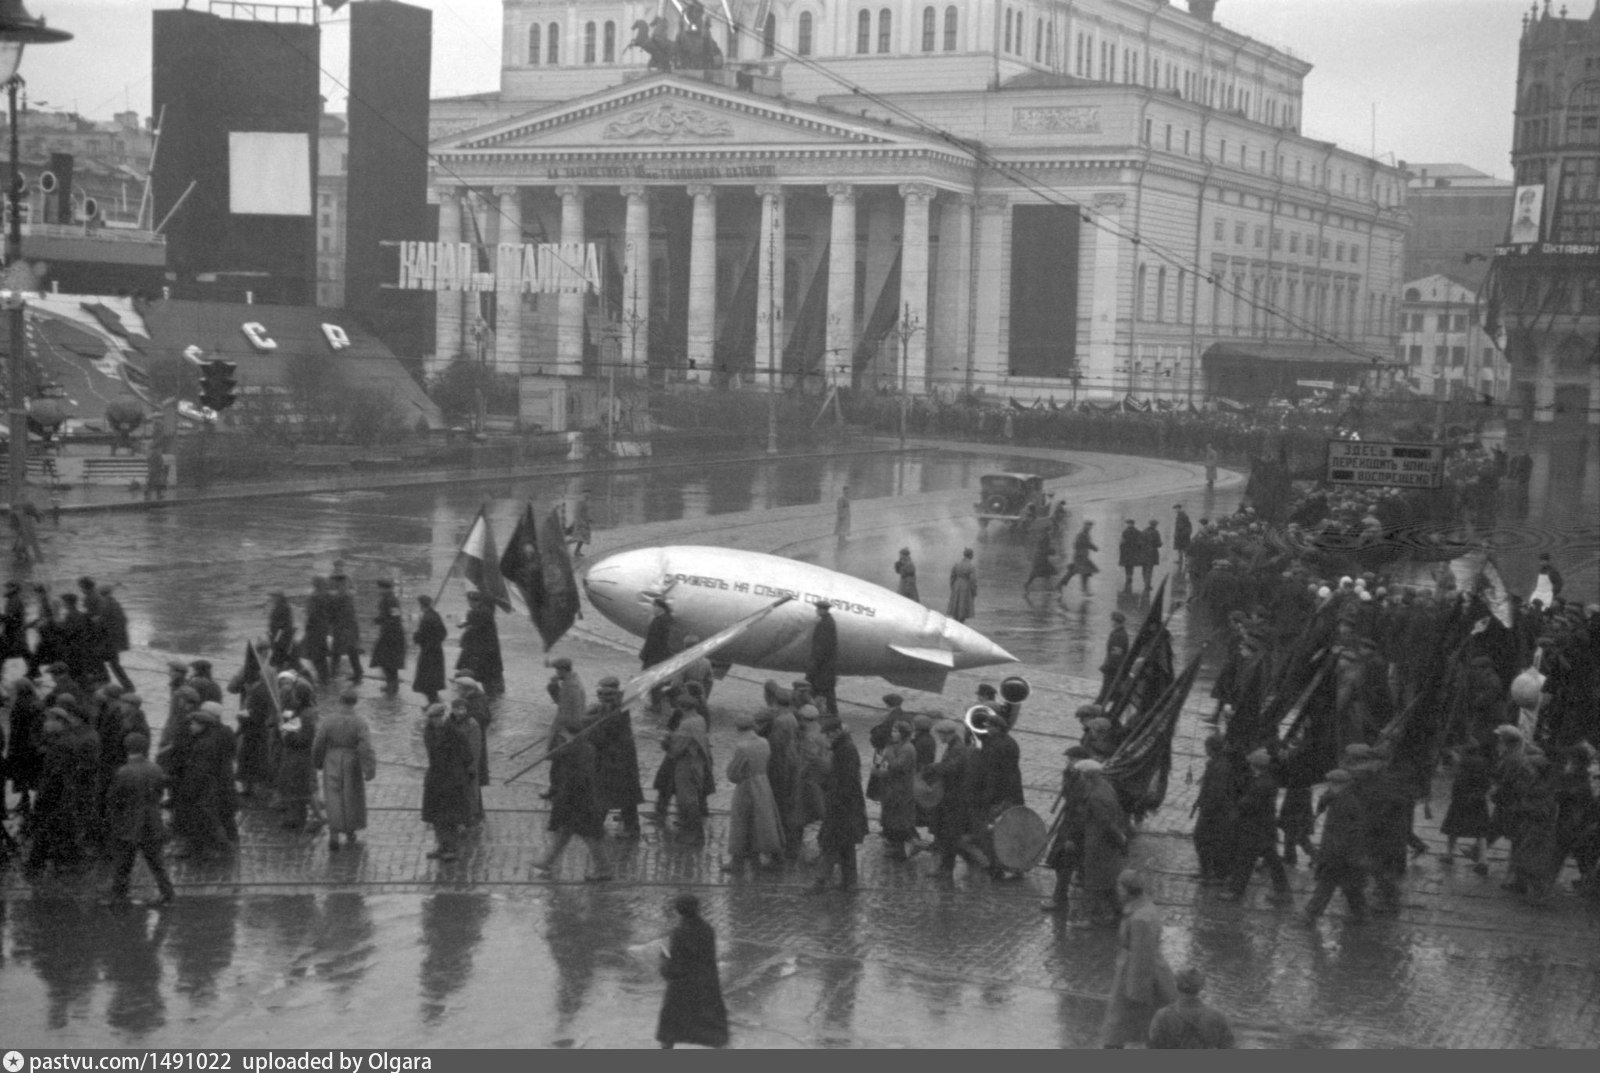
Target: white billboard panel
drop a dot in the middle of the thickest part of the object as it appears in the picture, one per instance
(269, 174)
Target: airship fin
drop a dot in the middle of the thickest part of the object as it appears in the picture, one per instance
(943, 657)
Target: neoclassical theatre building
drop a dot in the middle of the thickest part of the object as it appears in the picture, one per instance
(1088, 199)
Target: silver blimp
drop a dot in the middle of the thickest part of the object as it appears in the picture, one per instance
(766, 603)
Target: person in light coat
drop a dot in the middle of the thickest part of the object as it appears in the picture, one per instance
(754, 830)
(342, 751)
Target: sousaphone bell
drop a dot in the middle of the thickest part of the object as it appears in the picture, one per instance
(1015, 689)
(976, 716)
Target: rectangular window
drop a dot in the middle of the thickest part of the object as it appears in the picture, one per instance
(1222, 152)
(1261, 236)
(1294, 242)
(1169, 137)
(1458, 357)
(1277, 239)
(1217, 228)
(1324, 249)
(1414, 354)
(1149, 125)
(1238, 234)
(1185, 143)
(1355, 253)
(1338, 252)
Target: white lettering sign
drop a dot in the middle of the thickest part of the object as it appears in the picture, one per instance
(1390, 465)
(531, 268)
(336, 336)
(256, 332)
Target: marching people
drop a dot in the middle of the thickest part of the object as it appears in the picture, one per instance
(692, 1010)
(754, 831)
(1043, 566)
(1468, 813)
(342, 750)
(1342, 859)
(897, 815)
(1117, 644)
(616, 755)
(1182, 534)
(822, 672)
(782, 730)
(954, 814)
(844, 818)
(657, 647)
(581, 529)
(963, 588)
(1065, 853)
(575, 801)
(318, 625)
(256, 760)
(688, 764)
(1189, 1024)
(1213, 813)
(1255, 830)
(344, 632)
(906, 571)
(133, 822)
(297, 787)
(1082, 567)
(449, 789)
(280, 630)
(470, 729)
(1106, 834)
(998, 770)
(204, 798)
(1143, 982)
(480, 646)
(14, 630)
(429, 639)
(389, 651)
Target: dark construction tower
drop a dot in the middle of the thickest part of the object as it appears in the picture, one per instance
(239, 105)
(390, 59)
(1546, 279)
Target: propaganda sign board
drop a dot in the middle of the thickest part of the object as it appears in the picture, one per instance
(1386, 465)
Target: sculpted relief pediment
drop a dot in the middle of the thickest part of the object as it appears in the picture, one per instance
(665, 122)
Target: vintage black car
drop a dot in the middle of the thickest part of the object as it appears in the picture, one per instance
(1016, 499)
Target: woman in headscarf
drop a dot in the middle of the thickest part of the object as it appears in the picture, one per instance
(689, 753)
(343, 751)
(297, 777)
(693, 1010)
(1143, 982)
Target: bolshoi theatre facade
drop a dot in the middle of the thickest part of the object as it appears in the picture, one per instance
(1088, 199)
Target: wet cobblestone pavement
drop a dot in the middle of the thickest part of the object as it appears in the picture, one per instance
(287, 944)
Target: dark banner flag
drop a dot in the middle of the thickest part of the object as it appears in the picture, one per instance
(537, 563)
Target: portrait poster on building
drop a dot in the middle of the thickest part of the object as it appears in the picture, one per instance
(1525, 216)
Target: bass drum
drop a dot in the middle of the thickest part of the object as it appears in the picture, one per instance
(1019, 838)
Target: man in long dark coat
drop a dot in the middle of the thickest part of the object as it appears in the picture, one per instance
(1130, 552)
(693, 1010)
(1182, 535)
(133, 820)
(844, 815)
(1150, 555)
(449, 790)
(389, 651)
(1386, 798)
(999, 763)
(480, 646)
(1106, 835)
(823, 669)
(1213, 812)
(14, 627)
(65, 809)
(344, 635)
(1116, 651)
(1065, 854)
(280, 630)
(24, 758)
(575, 802)
(1255, 830)
(657, 647)
(319, 624)
(204, 798)
(429, 637)
(954, 816)
(616, 755)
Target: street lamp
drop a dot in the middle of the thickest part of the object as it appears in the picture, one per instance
(17, 30)
(907, 327)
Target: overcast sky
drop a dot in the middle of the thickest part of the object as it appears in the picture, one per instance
(1441, 72)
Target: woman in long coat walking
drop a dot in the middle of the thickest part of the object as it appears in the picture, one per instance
(897, 818)
(1143, 982)
(429, 637)
(963, 588)
(693, 1010)
(343, 751)
(389, 651)
(753, 826)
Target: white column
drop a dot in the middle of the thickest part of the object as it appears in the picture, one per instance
(508, 303)
(989, 361)
(569, 309)
(1105, 279)
(636, 279)
(769, 282)
(952, 288)
(703, 281)
(842, 310)
(917, 198)
(447, 304)
(1544, 386)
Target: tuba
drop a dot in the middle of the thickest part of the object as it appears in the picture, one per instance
(1015, 689)
(976, 712)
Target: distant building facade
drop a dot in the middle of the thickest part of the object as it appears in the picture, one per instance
(1447, 353)
(1096, 199)
(1458, 216)
(1546, 280)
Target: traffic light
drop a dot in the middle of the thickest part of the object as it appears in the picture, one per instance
(218, 388)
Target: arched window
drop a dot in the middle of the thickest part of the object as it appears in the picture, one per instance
(610, 54)
(864, 33)
(1161, 293)
(1008, 30)
(803, 44)
(952, 18)
(1177, 304)
(769, 36)
(552, 50)
(1138, 293)
(533, 45)
(590, 35)
(929, 28)
(885, 29)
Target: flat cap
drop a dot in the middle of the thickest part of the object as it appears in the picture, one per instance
(893, 700)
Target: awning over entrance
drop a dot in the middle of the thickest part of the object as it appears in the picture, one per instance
(1292, 352)
(1254, 373)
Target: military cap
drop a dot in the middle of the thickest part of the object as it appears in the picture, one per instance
(609, 682)
(561, 663)
(922, 722)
